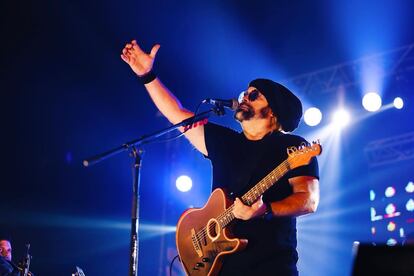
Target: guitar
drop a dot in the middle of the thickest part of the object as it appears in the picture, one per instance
(203, 238)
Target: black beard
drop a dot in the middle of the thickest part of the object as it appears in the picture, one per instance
(247, 114)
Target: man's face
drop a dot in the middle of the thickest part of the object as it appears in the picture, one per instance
(252, 105)
(6, 250)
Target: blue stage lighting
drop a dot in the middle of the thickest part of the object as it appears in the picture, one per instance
(391, 226)
(371, 195)
(410, 205)
(341, 118)
(398, 103)
(371, 101)
(183, 183)
(391, 242)
(410, 187)
(390, 192)
(390, 209)
(313, 116)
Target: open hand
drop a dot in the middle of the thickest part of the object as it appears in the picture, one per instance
(139, 61)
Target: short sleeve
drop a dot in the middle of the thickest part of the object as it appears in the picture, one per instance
(312, 169)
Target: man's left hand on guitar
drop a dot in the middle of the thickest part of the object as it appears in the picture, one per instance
(245, 212)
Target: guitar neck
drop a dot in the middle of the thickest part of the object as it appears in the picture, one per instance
(268, 181)
(254, 193)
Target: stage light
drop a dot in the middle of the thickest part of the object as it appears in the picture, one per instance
(374, 216)
(410, 187)
(398, 103)
(371, 195)
(410, 205)
(402, 233)
(313, 116)
(391, 242)
(390, 209)
(341, 118)
(371, 102)
(390, 192)
(391, 226)
(183, 183)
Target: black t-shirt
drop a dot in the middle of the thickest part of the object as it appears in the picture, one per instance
(238, 165)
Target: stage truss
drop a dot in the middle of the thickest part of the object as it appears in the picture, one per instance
(397, 62)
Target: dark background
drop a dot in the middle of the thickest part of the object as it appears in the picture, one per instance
(66, 95)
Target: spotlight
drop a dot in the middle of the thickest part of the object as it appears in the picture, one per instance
(390, 192)
(313, 116)
(371, 102)
(391, 226)
(341, 118)
(398, 103)
(410, 187)
(183, 183)
(371, 195)
(390, 209)
(391, 242)
(410, 205)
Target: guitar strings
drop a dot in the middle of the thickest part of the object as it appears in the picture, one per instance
(271, 178)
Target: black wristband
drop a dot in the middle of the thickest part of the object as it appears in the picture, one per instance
(148, 77)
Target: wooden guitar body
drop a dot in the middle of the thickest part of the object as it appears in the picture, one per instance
(204, 235)
(202, 241)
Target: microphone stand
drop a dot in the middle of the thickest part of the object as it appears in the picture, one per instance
(26, 262)
(136, 154)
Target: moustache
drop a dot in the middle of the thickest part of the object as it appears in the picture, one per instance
(243, 105)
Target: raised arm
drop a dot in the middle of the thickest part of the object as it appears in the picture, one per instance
(142, 63)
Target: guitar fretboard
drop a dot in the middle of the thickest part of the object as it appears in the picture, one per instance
(254, 193)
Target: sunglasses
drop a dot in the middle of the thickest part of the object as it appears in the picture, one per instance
(252, 95)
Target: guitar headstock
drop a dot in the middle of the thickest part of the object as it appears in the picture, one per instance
(300, 156)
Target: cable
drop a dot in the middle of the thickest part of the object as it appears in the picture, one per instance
(172, 262)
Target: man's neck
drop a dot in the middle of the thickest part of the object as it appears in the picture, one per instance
(258, 128)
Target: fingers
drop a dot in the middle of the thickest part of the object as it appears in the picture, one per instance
(240, 210)
(129, 47)
(154, 50)
(125, 58)
(238, 203)
(135, 45)
(125, 55)
(258, 202)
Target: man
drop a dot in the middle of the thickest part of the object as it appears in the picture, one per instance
(6, 266)
(240, 160)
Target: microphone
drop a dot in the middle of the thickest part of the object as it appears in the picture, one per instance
(232, 104)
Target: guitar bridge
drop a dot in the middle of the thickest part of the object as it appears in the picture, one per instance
(196, 243)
